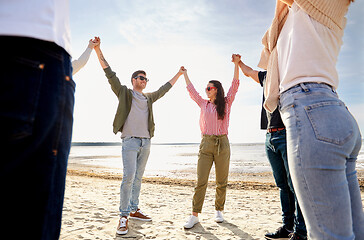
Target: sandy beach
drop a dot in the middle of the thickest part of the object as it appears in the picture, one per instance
(92, 200)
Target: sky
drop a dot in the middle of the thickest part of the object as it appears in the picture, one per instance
(159, 36)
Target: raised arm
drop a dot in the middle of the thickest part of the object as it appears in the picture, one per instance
(79, 63)
(191, 89)
(236, 60)
(175, 78)
(187, 79)
(230, 96)
(102, 60)
(111, 76)
(154, 96)
(249, 72)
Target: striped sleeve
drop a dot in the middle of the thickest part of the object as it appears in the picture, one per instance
(194, 94)
(232, 91)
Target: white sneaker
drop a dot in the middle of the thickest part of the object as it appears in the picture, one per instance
(123, 226)
(191, 222)
(219, 218)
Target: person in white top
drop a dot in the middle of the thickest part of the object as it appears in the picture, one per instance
(79, 63)
(36, 115)
(323, 138)
(46, 20)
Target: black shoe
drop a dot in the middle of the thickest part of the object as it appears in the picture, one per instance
(296, 236)
(281, 233)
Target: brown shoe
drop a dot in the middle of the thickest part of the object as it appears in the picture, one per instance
(123, 226)
(139, 215)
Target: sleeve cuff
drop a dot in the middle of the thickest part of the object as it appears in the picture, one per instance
(108, 71)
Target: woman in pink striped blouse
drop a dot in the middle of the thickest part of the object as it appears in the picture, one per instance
(215, 146)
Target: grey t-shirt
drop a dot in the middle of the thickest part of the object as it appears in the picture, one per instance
(136, 124)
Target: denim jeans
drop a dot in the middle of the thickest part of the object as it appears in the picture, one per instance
(276, 149)
(323, 142)
(135, 153)
(36, 116)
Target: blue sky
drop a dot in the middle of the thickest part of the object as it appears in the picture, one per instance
(159, 36)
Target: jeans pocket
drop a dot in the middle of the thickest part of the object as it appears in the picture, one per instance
(331, 122)
(130, 144)
(20, 81)
(124, 141)
(70, 98)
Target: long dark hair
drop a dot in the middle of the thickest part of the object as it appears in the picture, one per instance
(220, 99)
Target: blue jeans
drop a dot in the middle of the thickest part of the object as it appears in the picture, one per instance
(36, 116)
(323, 142)
(276, 149)
(135, 153)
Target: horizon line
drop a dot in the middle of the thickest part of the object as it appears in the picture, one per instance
(160, 143)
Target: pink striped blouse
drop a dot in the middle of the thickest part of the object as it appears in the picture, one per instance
(209, 122)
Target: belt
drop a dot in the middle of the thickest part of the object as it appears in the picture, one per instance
(270, 130)
(217, 140)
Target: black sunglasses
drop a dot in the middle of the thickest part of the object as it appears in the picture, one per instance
(142, 78)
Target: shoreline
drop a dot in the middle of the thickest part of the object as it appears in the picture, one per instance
(242, 185)
(252, 181)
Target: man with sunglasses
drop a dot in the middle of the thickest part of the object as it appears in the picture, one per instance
(134, 119)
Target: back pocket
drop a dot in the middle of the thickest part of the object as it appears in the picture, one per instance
(331, 122)
(20, 81)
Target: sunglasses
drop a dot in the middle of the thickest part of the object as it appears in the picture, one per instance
(142, 78)
(209, 88)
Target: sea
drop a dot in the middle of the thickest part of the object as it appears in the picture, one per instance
(174, 160)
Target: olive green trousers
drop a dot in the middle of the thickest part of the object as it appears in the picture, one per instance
(213, 149)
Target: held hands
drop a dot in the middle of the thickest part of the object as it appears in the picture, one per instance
(93, 43)
(236, 58)
(182, 70)
(102, 60)
(97, 42)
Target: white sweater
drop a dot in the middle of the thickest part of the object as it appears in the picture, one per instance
(79, 63)
(329, 13)
(307, 51)
(41, 19)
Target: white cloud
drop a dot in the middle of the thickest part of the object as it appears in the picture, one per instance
(161, 21)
